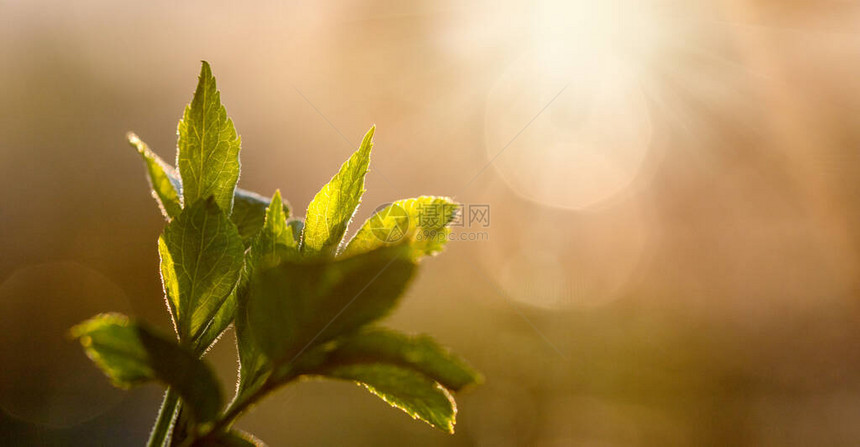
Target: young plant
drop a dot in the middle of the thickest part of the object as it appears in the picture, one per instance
(302, 300)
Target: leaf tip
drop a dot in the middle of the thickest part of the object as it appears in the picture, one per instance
(367, 141)
(205, 69)
(86, 341)
(82, 330)
(135, 142)
(477, 379)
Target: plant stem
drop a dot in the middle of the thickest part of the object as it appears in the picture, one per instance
(164, 423)
(235, 409)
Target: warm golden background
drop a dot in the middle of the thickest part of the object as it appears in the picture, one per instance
(674, 244)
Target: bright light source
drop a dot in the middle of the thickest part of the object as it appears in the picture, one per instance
(592, 139)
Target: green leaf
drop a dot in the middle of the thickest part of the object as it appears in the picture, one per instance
(419, 353)
(131, 354)
(297, 304)
(252, 363)
(220, 322)
(162, 179)
(208, 148)
(297, 225)
(249, 213)
(275, 239)
(277, 234)
(421, 222)
(407, 390)
(249, 208)
(201, 258)
(331, 210)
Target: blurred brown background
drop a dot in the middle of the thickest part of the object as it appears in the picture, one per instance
(672, 256)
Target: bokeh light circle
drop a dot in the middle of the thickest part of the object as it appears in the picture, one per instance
(559, 259)
(590, 133)
(46, 379)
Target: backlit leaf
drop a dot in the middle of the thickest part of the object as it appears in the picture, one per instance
(419, 353)
(405, 389)
(277, 234)
(249, 208)
(331, 210)
(421, 222)
(275, 231)
(201, 258)
(296, 225)
(276, 238)
(208, 147)
(131, 354)
(249, 213)
(162, 178)
(296, 304)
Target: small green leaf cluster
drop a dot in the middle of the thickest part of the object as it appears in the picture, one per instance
(303, 299)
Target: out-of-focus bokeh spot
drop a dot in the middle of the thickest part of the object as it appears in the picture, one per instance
(44, 380)
(586, 146)
(567, 123)
(556, 261)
